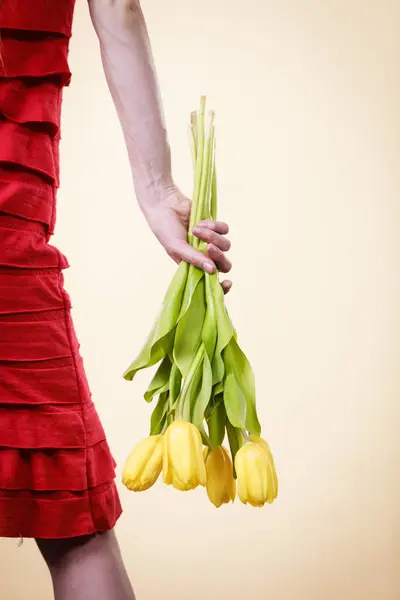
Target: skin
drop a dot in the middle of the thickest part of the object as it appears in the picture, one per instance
(128, 65)
(91, 567)
(87, 568)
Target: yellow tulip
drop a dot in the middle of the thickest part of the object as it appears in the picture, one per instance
(251, 465)
(144, 464)
(183, 460)
(272, 476)
(221, 486)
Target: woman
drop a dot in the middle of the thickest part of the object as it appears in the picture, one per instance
(56, 470)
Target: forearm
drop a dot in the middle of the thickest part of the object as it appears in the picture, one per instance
(131, 77)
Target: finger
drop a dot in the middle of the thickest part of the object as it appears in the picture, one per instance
(184, 251)
(226, 285)
(219, 259)
(210, 236)
(217, 226)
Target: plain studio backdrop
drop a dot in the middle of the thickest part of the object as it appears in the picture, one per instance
(307, 99)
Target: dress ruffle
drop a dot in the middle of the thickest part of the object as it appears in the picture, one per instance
(25, 194)
(27, 102)
(41, 58)
(58, 514)
(30, 292)
(56, 469)
(38, 15)
(24, 246)
(33, 71)
(30, 148)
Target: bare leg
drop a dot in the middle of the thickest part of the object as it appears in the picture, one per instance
(87, 568)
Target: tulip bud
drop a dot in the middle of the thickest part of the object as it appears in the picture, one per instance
(251, 465)
(144, 464)
(272, 476)
(183, 461)
(221, 486)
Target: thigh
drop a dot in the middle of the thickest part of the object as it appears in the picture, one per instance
(87, 568)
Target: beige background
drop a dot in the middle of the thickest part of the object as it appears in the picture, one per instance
(307, 97)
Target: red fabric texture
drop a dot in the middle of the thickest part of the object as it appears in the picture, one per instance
(27, 195)
(56, 469)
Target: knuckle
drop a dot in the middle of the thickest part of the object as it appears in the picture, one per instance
(228, 267)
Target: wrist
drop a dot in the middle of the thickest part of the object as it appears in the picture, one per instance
(155, 192)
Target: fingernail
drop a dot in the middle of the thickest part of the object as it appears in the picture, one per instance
(195, 229)
(208, 266)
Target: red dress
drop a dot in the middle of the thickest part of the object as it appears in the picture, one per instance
(56, 470)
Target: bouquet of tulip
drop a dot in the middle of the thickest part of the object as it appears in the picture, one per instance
(204, 384)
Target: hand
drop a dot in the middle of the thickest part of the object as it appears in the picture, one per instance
(169, 221)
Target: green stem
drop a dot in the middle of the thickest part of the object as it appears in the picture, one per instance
(214, 193)
(174, 389)
(199, 167)
(189, 379)
(192, 140)
(207, 212)
(202, 207)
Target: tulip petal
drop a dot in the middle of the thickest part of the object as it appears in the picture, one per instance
(143, 465)
(272, 472)
(183, 463)
(220, 481)
(166, 468)
(200, 468)
(153, 468)
(252, 471)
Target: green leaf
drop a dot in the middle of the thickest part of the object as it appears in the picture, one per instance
(240, 366)
(160, 381)
(189, 330)
(194, 276)
(203, 399)
(174, 385)
(209, 333)
(159, 415)
(190, 386)
(225, 333)
(217, 422)
(218, 389)
(235, 438)
(160, 340)
(191, 389)
(234, 400)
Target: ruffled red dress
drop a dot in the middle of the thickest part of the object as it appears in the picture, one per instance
(56, 469)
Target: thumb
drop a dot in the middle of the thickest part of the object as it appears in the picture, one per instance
(184, 251)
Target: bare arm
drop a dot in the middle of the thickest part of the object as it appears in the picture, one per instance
(131, 77)
(130, 73)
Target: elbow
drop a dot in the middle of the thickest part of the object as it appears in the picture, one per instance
(112, 15)
(132, 7)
